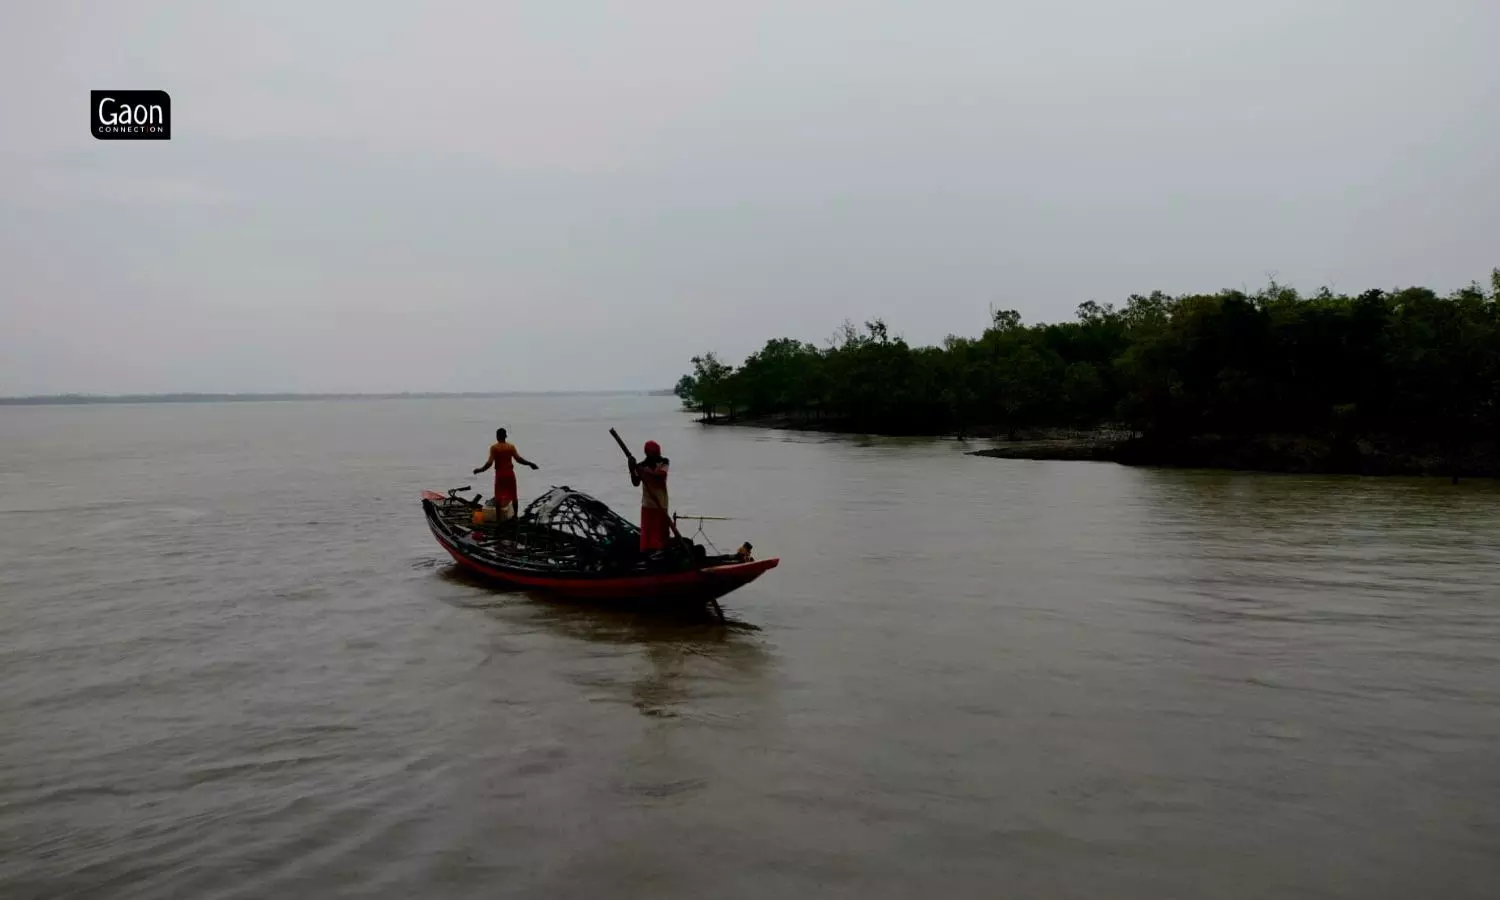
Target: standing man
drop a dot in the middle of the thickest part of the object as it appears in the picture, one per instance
(503, 456)
(651, 474)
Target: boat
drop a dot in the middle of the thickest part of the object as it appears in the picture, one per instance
(572, 545)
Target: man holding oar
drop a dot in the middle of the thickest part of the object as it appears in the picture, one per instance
(656, 521)
(651, 475)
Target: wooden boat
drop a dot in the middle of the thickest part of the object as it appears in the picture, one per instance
(570, 544)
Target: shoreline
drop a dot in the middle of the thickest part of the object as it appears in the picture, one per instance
(1369, 455)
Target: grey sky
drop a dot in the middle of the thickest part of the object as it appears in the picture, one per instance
(376, 196)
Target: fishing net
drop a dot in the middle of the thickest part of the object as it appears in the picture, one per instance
(567, 531)
(577, 515)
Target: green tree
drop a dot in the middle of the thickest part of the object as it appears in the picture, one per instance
(710, 380)
(1407, 363)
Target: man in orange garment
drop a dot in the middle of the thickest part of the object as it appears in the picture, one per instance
(651, 474)
(503, 456)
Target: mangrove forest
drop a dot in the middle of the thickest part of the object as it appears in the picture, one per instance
(1402, 380)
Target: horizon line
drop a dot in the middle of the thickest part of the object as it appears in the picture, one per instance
(79, 399)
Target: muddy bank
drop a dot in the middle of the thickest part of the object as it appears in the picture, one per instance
(1309, 454)
(1085, 446)
(1059, 438)
(784, 423)
(1291, 453)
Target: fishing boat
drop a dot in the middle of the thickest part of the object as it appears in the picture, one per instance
(570, 544)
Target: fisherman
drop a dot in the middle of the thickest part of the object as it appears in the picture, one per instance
(503, 456)
(651, 475)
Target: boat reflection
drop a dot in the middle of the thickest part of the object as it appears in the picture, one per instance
(686, 648)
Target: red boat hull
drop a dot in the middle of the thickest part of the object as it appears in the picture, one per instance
(708, 583)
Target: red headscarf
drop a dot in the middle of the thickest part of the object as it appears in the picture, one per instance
(653, 449)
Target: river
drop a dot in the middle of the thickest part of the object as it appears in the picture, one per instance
(236, 665)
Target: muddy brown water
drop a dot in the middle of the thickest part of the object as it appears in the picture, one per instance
(236, 665)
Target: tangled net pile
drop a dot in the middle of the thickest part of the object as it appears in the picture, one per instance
(576, 514)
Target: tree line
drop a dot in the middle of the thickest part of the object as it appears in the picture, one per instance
(1400, 362)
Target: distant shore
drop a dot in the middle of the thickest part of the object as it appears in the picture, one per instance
(1286, 453)
(93, 399)
(1403, 381)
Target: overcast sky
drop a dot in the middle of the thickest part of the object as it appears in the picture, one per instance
(381, 196)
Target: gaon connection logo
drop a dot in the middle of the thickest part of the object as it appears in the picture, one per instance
(130, 115)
